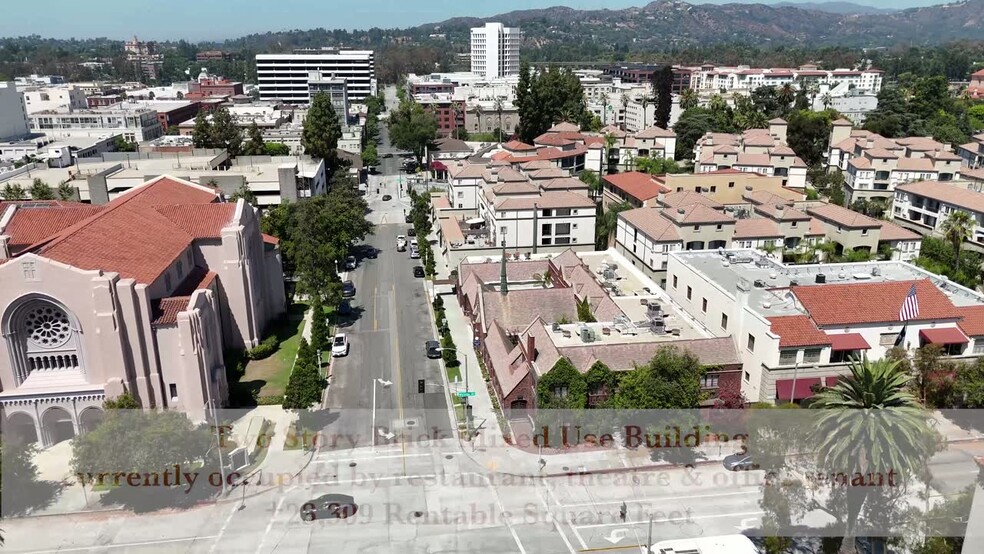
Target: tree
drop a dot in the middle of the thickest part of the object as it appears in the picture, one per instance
(957, 228)
(662, 89)
(657, 166)
(276, 149)
(606, 222)
(66, 192)
(970, 384)
(279, 221)
(625, 107)
(868, 423)
(12, 192)
(125, 401)
(591, 179)
(370, 157)
(584, 311)
(498, 110)
(412, 128)
(245, 193)
(201, 134)
(321, 133)
(254, 145)
(926, 363)
(41, 191)
(305, 385)
(123, 145)
(785, 95)
(319, 326)
(689, 98)
(224, 132)
(671, 380)
(693, 123)
(18, 475)
(548, 97)
(562, 388)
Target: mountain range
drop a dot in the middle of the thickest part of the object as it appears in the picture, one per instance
(835, 7)
(665, 24)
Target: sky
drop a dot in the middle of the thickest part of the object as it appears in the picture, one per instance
(198, 20)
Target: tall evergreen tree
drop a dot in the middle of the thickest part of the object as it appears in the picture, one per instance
(254, 145)
(319, 327)
(201, 135)
(322, 132)
(663, 95)
(225, 134)
(66, 191)
(41, 191)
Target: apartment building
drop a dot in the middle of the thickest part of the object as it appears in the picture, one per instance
(495, 50)
(745, 79)
(644, 73)
(65, 97)
(976, 87)
(763, 151)
(91, 312)
(924, 206)
(13, 112)
(170, 113)
(796, 326)
(136, 125)
(972, 153)
(286, 77)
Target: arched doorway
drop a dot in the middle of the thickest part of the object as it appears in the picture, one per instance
(89, 419)
(518, 405)
(21, 429)
(56, 424)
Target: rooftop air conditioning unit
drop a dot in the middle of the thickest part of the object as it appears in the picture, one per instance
(821, 278)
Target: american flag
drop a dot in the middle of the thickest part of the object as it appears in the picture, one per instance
(910, 306)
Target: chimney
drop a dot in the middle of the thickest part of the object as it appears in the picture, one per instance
(531, 348)
(503, 286)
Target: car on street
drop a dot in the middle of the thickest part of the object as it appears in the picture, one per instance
(739, 462)
(414, 253)
(407, 219)
(433, 349)
(371, 253)
(329, 506)
(350, 262)
(413, 243)
(412, 232)
(339, 345)
(344, 307)
(418, 271)
(348, 289)
(387, 198)
(401, 240)
(388, 155)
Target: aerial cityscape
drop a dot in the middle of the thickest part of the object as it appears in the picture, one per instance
(670, 278)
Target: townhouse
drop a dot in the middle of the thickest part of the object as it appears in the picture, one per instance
(972, 153)
(744, 79)
(762, 151)
(924, 206)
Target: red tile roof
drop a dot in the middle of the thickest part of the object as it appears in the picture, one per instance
(891, 231)
(204, 221)
(696, 213)
(517, 146)
(973, 320)
(32, 225)
(270, 239)
(655, 132)
(649, 221)
(166, 310)
(636, 184)
(755, 228)
(797, 330)
(857, 303)
(842, 216)
(948, 193)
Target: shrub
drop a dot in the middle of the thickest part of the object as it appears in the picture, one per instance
(270, 400)
(265, 349)
(438, 303)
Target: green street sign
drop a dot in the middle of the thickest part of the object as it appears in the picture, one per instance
(465, 393)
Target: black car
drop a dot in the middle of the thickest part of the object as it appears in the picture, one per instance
(351, 262)
(418, 271)
(739, 462)
(371, 253)
(387, 197)
(433, 349)
(407, 219)
(329, 506)
(348, 289)
(344, 307)
(412, 232)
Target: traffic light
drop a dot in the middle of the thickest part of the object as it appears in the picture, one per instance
(623, 511)
(420, 386)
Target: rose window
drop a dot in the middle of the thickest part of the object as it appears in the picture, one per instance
(48, 326)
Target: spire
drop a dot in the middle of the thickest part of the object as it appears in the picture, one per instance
(503, 287)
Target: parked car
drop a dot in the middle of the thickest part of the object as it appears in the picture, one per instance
(387, 197)
(407, 219)
(433, 349)
(413, 243)
(414, 253)
(372, 252)
(412, 232)
(339, 345)
(344, 307)
(348, 289)
(329, 506)
(418, 271)
(401, 241)
(739, 462)
(350, 262)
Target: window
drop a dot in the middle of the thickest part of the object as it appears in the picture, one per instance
(562, 228)
(724, 321)
(674, 281)
(750, 344)
(547, 213)
(710, 381)
(793, 224)
(461, 194)
(731, 184)
(788, 357)
(864, 231)
(720, 226)
(703, 305)
(811, 355)
(562, 211)
(502, 230)
(173, 389)
(887, 339)
(747, 376)
(690, 293)
(696, 227)
(546, 241)
(714, 189)
(546, 229)
(560, 391)
(978, 346)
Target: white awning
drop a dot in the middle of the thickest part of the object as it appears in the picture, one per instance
(475, 221)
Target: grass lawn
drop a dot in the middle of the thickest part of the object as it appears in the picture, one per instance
(271, 374)
(454, 373)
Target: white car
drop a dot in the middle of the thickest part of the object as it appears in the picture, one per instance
(414, 253)
(413, 243)
(339, 345)
(401, 240)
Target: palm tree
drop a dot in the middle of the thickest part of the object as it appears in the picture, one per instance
(645, 105)
(957, 228)
(478, 116)
(456, 109)
(625, 106)
(609, 143)
(869, 423)
(717, 103)
(786, 94)
(689, 99)
(604, 108)
(498, 111)
(826, 99)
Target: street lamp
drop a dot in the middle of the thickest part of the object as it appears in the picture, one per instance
(385, 384)
(336, 267)
(466, 397)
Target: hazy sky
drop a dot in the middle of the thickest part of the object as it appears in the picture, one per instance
(220, 19)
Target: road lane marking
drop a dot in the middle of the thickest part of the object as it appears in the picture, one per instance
(272, 518)
(659, 498)
(395, 346)
(375, 323)
(332, 461)
(121, 545)
(668, 520)
(223, 529)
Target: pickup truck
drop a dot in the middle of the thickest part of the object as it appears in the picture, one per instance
(401, 243)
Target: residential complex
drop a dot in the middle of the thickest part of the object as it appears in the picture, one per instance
(91, 312)
(972, 153)
(925, 206)
(495, 50)
(762, 151)
(797, 326)
(287, 77)
(745, 79)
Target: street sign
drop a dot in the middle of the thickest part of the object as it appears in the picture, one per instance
(465, 393)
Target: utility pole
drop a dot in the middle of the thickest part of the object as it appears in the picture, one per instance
(649, 541)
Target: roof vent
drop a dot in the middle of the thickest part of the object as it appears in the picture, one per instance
(681, 211)
(773, 275)
(748, 187)
(842, 275)
(875, 272)
(780, 207)
(726, 263)
(821, 278)
(760, 283)
(766, 305)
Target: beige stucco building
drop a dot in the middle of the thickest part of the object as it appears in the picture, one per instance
(142, 294)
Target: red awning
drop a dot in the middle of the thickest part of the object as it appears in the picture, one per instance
(438, 166)
(944, 335)
(831, 381)
(785, 392)
(848, 341)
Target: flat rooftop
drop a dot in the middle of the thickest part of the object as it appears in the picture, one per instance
(768, 280)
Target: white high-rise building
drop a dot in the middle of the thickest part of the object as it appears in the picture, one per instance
(286, 77)
(13, 113)
(495, 50)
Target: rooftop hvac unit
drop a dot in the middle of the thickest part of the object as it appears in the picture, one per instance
(759, 283)
(654, 310)
(821, 278)
(585, 332)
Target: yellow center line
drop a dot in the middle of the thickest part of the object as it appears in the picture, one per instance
(375, 323)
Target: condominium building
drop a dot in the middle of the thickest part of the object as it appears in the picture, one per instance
(763, 151)
(287, 77)
(13, 112)
(495, 50)
(925, 206)
(797, 326)
(142, 295)
(743, 78)
(972, 153)
(136, 125)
